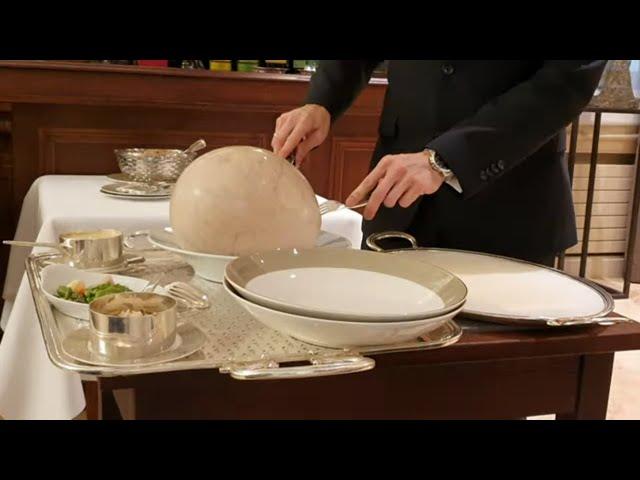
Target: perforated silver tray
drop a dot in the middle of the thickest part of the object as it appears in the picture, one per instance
(236, 343)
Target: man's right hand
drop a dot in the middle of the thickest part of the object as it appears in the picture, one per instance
(300, 131)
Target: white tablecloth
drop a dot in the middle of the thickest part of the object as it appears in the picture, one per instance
(31, 387)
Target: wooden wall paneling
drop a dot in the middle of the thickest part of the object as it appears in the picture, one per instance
(68, 119)
(604, 221)
(600, 246)
(606, 183)
(317, 169)
(7, 222)
(67, 150)
(80, 140)
(635, 261)
(610, 171)
(350, 159)
(603, 209)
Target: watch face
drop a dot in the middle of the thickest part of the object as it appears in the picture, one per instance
(437, 164)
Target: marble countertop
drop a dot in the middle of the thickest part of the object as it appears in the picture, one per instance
(615, 91)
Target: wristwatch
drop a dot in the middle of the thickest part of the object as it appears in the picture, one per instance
(437, 164)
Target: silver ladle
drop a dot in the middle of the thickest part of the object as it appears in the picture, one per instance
(195, 147)
(19, 243)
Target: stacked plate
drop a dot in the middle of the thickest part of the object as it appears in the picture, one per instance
(344, 298)
(132, 190)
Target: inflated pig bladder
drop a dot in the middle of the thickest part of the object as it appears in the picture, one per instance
(240, 200)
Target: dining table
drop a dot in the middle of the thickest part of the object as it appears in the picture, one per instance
(31, 386)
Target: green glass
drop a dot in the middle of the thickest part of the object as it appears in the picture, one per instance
(247, 65)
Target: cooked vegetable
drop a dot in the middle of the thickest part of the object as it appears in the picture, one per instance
(76, 291)
(69, 294)
(104, 289)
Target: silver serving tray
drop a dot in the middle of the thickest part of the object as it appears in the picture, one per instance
(236, 344)
(600, 318)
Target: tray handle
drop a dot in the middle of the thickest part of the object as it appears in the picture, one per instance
(375, 237)
(319, 367)
(606, 321)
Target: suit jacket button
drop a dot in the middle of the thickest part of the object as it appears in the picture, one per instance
(448, 69)
(495, 169)
(483, 176)
(500, 164)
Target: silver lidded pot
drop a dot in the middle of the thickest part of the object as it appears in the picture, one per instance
(129, 326)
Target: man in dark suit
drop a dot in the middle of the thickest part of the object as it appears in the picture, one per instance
(470, 154)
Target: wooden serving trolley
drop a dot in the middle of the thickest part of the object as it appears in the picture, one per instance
(247, 371)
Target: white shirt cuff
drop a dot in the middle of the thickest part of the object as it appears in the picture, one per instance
(455, 184)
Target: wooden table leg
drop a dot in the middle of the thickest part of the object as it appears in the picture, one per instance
(594, 382)
(101, 404)
(93, 400)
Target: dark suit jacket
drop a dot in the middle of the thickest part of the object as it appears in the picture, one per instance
(500, 127)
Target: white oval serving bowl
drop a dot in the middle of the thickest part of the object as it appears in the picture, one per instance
(338, 333)
(211, 267)
(351, 285)
(53, 276)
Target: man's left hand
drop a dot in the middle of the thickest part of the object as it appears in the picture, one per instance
(397, 179)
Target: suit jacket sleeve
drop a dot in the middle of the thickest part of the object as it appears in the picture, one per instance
(337, 83)
(511, 127)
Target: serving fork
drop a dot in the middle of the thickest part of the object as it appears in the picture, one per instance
(189, 294)
(333, 205)
(330, 205)
(151, 286)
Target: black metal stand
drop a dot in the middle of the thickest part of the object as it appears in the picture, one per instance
(631, 241)
(573, 147)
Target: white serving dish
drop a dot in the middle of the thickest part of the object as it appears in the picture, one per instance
(55, 275)
(342, 284)
(338, 333)
(512, 291)
(211, 267)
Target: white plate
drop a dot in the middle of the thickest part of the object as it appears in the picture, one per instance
(512, 291)
(115, 190)
(55, 275)
(350, 285)
(211, 267)
(336, 333)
